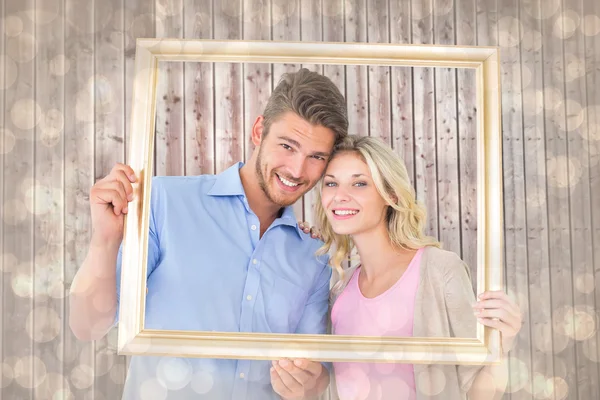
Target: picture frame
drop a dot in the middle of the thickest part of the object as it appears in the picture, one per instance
(134, 339)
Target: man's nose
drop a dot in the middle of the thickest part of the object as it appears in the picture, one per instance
(297, 167)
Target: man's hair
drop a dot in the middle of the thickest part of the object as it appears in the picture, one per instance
(313, 97)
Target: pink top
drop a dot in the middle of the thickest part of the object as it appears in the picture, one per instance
(389, 314)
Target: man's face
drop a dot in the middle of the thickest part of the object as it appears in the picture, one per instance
(292, 158)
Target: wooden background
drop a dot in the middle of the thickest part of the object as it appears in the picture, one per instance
(66, 77)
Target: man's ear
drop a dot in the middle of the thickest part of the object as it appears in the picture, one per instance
(257, 130)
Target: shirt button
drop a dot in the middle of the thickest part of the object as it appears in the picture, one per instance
(254, 261)
(248, 297)
(253, 227)
(242, 375)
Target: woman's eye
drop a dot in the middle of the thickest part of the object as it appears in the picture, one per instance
(360, 184)
(329, 184)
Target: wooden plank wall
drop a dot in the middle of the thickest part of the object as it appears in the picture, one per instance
(66, 75)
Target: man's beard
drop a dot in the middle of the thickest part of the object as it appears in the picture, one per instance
(265, 187)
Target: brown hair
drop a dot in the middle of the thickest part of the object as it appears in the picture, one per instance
(311, 96)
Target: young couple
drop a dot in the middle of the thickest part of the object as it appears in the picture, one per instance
(225, 253)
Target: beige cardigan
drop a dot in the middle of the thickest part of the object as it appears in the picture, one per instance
(443, 308)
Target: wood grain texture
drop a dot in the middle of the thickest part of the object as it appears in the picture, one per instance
(557, 181)
(466, 11)
(108, 87)
(198, 99)
(285, 20)
(424, 119)
(378, 31)
(590, 25)
(515, 229)
(170, 130)
(357, 89)
(540, 320)
(580, 203)
(229, 140)
(402, 90)
(46, 329)
(256, 77)
(78, 179)
(446, 117)
(6, 140)
(21, 117)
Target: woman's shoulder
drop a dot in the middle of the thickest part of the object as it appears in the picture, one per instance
(441, 260)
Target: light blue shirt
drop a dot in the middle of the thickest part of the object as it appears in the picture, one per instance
(208, 270)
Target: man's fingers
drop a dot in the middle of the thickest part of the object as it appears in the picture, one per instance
(288, 380)
(113, 198)
(121, 177)
(126, 169)
(312, 367)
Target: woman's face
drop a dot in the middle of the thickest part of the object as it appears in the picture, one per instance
(349, 196)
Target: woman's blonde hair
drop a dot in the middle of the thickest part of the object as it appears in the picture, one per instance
(405, 217)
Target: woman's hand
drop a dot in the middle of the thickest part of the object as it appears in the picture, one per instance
(496, 310)
(306, 228)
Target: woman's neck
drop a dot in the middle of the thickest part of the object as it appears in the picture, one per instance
(378, 255)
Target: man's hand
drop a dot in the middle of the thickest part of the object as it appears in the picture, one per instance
(298, 379)
(306, 228)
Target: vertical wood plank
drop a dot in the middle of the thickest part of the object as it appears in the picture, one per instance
(77, 356)
(21, 117)
(311, 30)
(424, 118)
(170, 139)
(199, 86)
(311, 27)
(378, 31)
(285, 20)
(47, 194)
(466, 18)
(357, 90)
(591, 29)
(107, 86)
(332, 19)
(515, 232)
(7, 141)
(257, 77)
(557, 170)
(446, 130)
(401, 89)
(540, 292)
(580, 199)
(228, 89)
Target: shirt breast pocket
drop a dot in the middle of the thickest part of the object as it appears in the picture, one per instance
(286, 302)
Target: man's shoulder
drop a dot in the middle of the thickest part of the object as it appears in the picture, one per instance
(182, 184)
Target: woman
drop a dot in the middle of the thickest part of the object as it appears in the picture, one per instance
(368, 205)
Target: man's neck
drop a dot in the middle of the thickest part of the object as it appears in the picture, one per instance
(258, 202)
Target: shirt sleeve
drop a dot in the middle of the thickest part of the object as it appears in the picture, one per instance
(315, 317)
(153, 248)
(460, 298)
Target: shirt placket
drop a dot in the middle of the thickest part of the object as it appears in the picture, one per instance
(248, 301)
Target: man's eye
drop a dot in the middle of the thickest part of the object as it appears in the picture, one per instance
(320, 158)
(285, 146)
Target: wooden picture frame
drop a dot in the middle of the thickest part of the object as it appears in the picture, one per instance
(134, 339)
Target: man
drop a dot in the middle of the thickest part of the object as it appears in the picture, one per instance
(225, 254)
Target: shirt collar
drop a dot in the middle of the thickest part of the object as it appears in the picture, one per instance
(229, 183)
